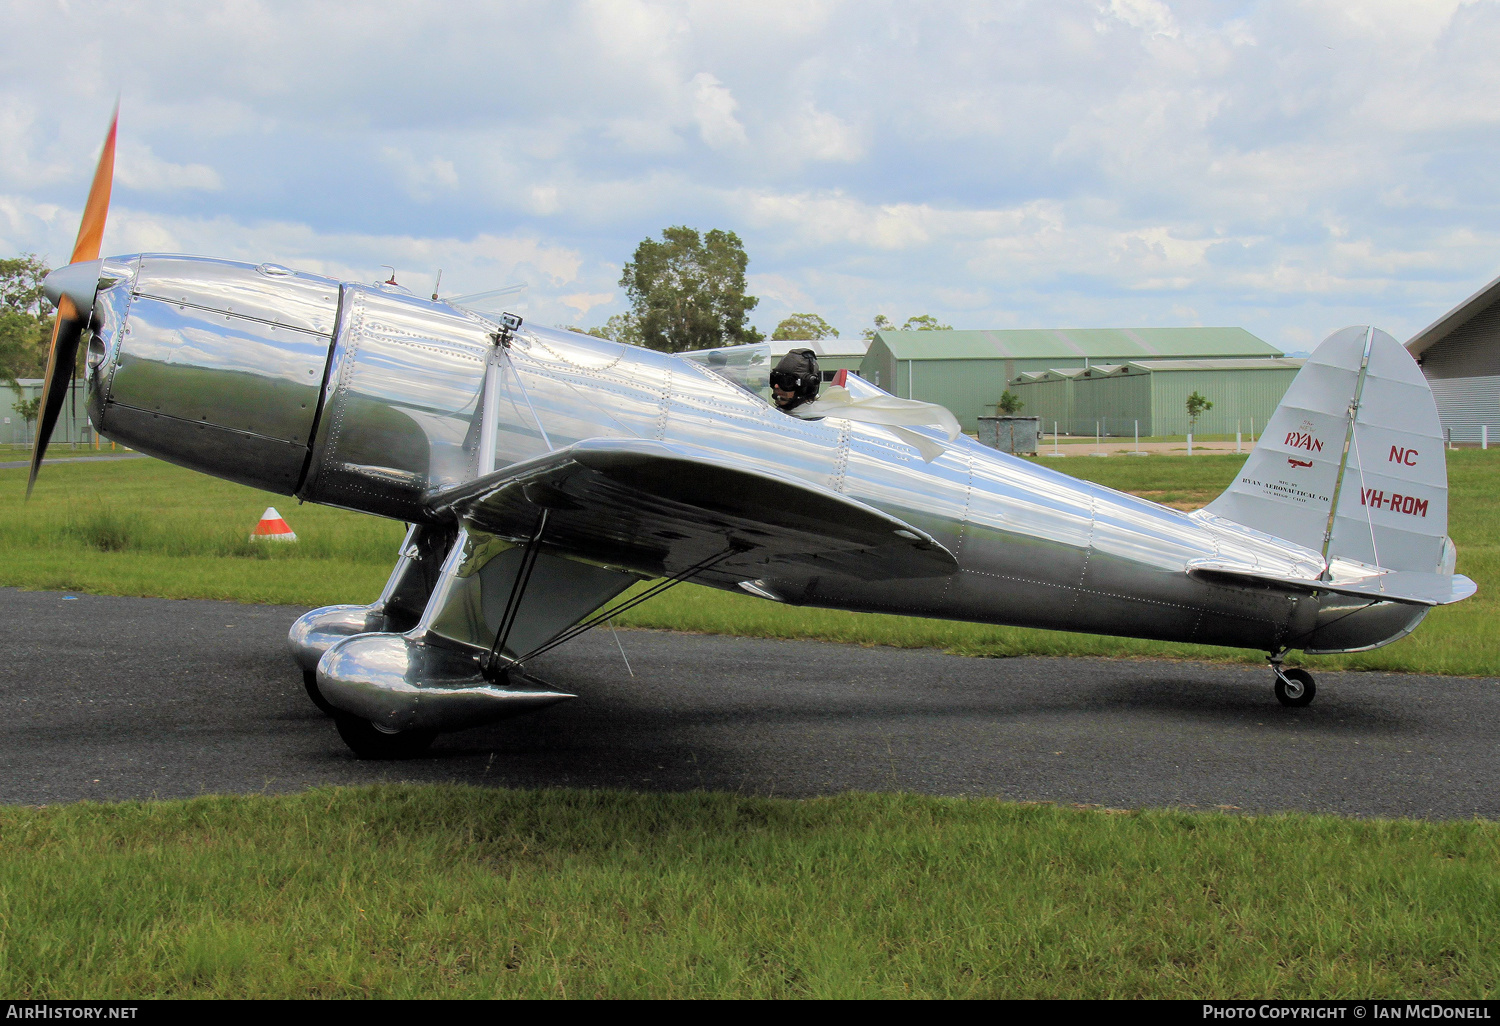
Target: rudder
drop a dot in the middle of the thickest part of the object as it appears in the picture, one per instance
(1361, 406)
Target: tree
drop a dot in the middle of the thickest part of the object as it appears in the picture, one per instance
(1010, 404)
(25, 318)
(803, 326)
(921, 322)
(23, 345)
(688, 290)
(21, 284)
(621, 327)
(925, 322)
(1196, 406)
(28, 409)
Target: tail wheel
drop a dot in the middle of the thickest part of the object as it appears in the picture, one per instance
(310, 682)
(1295, 687)
(371, 742)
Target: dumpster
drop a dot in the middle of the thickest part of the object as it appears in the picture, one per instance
(1016, 435)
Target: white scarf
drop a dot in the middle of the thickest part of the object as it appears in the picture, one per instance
(886, 410)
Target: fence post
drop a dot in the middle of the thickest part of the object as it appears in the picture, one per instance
(1484, 436)
(1236, 438)
(1190, 443)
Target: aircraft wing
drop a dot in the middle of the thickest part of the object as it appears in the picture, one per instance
(659, 508)
(1408, 586)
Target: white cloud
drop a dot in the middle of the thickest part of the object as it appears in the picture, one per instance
(544, 199)
(643, 135)
(780, 290)
(1285, 164)
(18, 164)
(713, 109)
(30, 227)
(833, 217)
(423, 179)
(813, 134)
(474, 264)
(1152, 17)
(136, 167)
(582, 302)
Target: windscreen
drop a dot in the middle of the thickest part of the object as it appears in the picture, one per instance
(491, 305)
(747, 366)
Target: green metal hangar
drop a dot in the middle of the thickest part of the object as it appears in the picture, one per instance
(1460, 356)
(967, 371)
(1151, 396)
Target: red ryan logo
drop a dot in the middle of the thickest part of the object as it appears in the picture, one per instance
(1303, 440)
(1299, 463)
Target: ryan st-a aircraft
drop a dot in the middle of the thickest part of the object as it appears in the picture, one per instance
(544, 472)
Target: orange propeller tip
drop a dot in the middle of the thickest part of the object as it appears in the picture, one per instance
(96, 209)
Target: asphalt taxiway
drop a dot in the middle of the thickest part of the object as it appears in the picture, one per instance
(115, 698)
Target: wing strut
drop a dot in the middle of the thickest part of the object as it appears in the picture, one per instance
(598, 618)
(513, 603)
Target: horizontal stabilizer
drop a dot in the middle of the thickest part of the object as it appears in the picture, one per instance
(1410, 586)
(659, 508)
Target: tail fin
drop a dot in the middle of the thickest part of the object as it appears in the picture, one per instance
(1358, 422)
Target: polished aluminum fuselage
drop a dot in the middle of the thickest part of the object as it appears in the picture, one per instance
(368, 398)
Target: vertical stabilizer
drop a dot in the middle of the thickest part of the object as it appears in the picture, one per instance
(1360, 406)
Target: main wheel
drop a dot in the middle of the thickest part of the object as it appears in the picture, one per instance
(371, 742)
(1295, 687)
(310, 682)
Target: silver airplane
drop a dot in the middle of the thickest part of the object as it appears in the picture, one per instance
(543, 473)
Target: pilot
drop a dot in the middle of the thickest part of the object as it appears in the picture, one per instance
(795, 379)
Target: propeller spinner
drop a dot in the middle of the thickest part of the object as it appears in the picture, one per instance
(72, 288)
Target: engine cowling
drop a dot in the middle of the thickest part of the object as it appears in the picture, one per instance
(213, 365)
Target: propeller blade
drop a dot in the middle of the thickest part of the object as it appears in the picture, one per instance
(91, 228)
(67, 329)
(61, 357)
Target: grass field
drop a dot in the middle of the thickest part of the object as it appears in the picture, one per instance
(456, 892)
(452, 892)
(140, 527)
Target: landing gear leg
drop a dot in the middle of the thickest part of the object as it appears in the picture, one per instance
(1294, 687)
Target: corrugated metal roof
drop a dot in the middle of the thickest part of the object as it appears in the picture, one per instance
(1119, 344)
(1104, 370)
(844, 347)
(1460, 315)
(1283, 363)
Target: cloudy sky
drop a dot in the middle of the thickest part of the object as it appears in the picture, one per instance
(1290, 167)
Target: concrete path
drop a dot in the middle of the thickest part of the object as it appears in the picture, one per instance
(114, 698)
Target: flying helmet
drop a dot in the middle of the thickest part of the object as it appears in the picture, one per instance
(797, 373)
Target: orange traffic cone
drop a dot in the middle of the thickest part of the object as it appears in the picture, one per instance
(272, 527)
